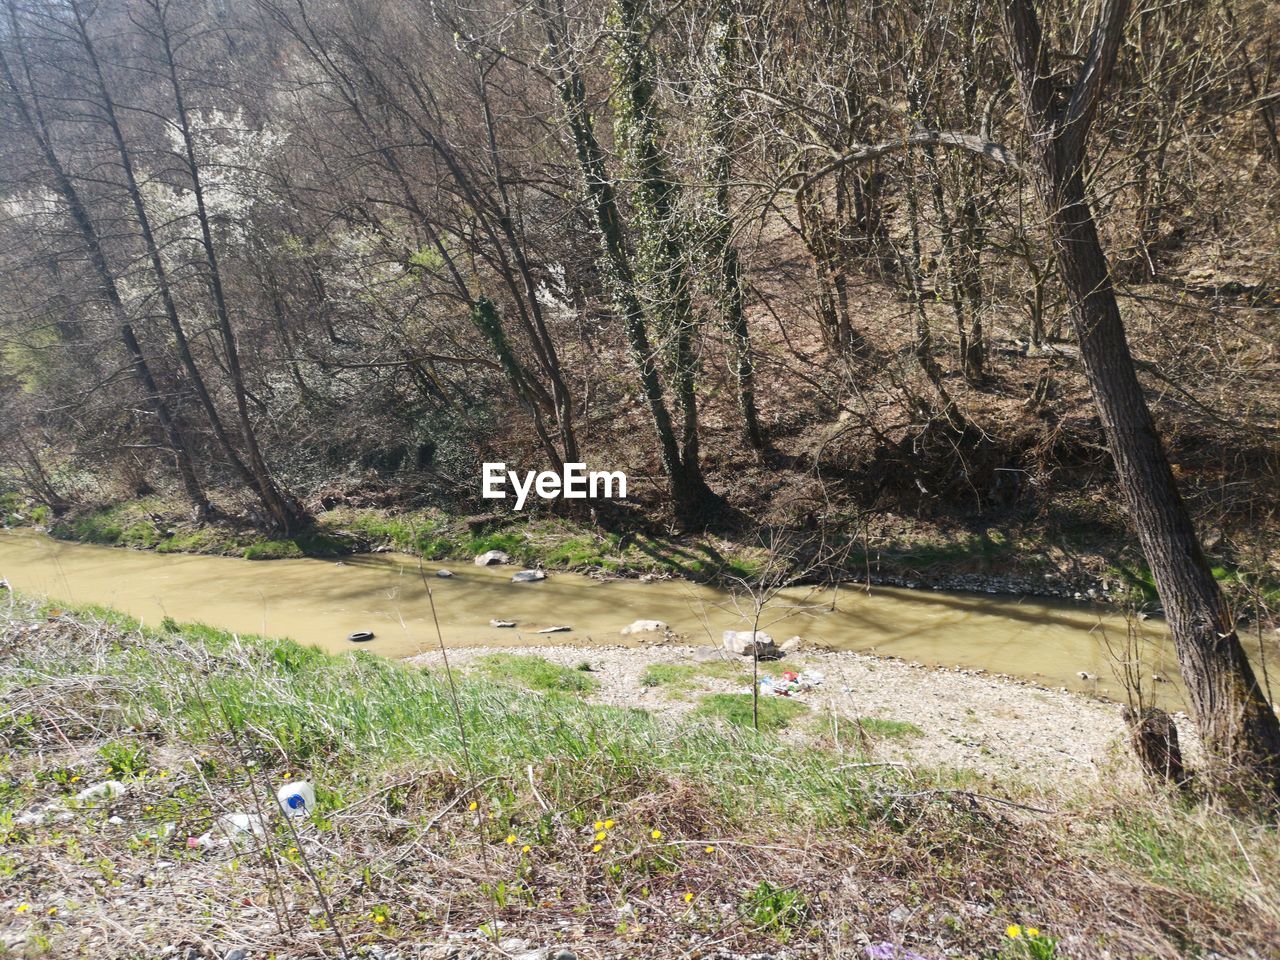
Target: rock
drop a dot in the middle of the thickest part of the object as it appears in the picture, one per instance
(707, 654)
(644, 626)
(232, 828)
(502, 624)
(107, 790)
(751, 643)
(528, 576)
(239, 953)
(564, 955)
(1086, 675)
(491, 557)
(444, 574)
(555, 630)
(792, 644)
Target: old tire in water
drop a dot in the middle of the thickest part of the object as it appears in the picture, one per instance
(360, 636)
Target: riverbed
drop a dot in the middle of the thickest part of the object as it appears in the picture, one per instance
(321, 602)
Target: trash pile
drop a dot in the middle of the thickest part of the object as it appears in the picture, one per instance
(791, 683)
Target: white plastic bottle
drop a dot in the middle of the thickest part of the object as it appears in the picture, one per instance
(297, 799)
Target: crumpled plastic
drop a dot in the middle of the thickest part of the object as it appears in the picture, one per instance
(791, 683)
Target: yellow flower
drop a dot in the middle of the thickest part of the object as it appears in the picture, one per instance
(597, 848)
(23, 908)
(608, 824)
(688, 897)
(53, 911)
(379, 919)
(601, 835)
(74, 779)
(656, 834)
(1014, 931)
(511, 838)
(1033, 932)
(473, 806)
(526, 848)
(708, 849)
(599, 825)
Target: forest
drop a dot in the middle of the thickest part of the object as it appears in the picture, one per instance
(967, 294)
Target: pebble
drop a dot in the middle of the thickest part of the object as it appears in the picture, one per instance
(502, 623)
(444, 574)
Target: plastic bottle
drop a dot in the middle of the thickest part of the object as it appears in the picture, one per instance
(297, 799)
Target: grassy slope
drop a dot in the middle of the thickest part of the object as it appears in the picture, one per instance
(716, 835)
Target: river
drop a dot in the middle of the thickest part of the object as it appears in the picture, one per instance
(321, 602)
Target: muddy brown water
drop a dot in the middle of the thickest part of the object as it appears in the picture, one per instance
(321, 602)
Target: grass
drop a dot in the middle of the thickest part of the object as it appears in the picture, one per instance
(776, 713)
(682, 677)
(544, 812)
(534, 672)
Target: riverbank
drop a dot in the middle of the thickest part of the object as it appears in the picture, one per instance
(1014, 560)
(562, 819)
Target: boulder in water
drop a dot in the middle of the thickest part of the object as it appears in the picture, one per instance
(492, 557)
(502, 624)
(644, 626)
(751, 643)
(528, 576)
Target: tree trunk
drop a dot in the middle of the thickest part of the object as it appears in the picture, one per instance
(33, 120)
(1237, 724)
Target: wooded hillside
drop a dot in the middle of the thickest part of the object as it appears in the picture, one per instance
(780, 262)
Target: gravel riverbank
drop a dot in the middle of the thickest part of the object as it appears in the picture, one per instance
(987, 723)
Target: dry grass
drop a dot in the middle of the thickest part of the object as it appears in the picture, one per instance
(760, 845)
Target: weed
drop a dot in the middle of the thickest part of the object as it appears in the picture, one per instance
(124, 762)
(736, 708)
(776, 910)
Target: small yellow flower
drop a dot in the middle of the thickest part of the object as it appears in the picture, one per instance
(1014, 931)
(601, 835)
(74, 779)
(473, 806)
(1033, 932)
(23, 908)
(599, 825)
(608, 824)
(511, 838)
(526, 848)
(656, 834)
(688, 897)
(597, 848)
(708, 849)
(53, 911)
(379, 919)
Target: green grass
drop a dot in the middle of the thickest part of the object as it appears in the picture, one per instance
(776, 713)
(683, 677)
(333, 713)
(890, 729)
(534, 672)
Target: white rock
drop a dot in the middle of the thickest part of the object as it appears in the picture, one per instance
(791, 645)
(491, 557)
(555, 629)
(644, 626)
(502, 623)
(107, 790)
(748, 643)
(528, 576)
(444, 574)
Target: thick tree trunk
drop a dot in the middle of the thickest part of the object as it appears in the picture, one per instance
(693, 500)
(1237, 724)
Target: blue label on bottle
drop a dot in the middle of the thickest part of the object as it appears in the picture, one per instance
(296, 801)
